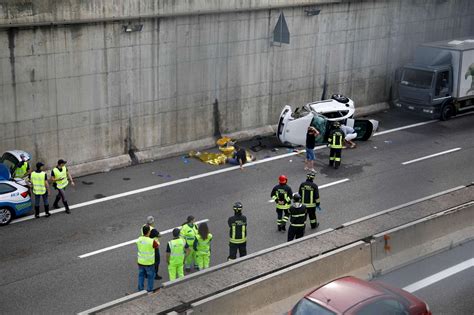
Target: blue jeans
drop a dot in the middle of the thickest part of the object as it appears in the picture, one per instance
(150, 273)
(310, 156)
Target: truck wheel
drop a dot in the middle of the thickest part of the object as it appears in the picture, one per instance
(447, 111)
(340, 98)
(6, 215)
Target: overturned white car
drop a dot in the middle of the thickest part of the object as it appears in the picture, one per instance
(293, 125)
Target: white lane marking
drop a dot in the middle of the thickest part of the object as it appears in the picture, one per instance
(128, 242)
(431, 156)
(186, 179)
(326, 185)
(405, 127)
(423, 283)
(403, 205)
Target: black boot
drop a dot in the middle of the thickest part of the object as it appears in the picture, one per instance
(46, 211)
(67, 207)
(283, 227)
(56, 202)
(37, 211)
(336, 165)
(331, 163)
(279, 227)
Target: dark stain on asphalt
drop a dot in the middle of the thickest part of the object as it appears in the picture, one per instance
(98, 196)
(126, 178)
(87, 183)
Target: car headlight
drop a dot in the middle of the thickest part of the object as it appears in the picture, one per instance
(398, 104)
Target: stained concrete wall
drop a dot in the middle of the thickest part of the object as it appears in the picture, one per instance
(90, 91)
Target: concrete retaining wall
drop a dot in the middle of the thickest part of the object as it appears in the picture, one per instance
(91, 91)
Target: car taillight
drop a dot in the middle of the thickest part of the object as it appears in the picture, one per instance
(24, 194)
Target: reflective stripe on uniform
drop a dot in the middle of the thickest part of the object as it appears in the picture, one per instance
(60, 177)
(38, 182)
(146, 252)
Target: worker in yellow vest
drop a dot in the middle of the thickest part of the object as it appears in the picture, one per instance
(146, 259)
(39, 182)
(22, 169)
(176, 253)
(154, 234)
(202, 246)
(61, 177)
(188, 232)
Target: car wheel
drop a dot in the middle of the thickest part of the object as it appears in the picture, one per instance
(447, 111)
(6, 215)
(340, 98)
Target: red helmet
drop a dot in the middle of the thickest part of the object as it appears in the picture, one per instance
(282, 179)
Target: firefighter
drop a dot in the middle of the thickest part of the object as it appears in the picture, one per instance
(297, 213)
(281, 194)
(309, 192)
(237, 233)
(336, 142)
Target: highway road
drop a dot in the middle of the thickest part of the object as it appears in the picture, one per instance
(444, 281)
(41, 268)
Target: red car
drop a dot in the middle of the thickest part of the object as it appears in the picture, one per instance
(350, 295)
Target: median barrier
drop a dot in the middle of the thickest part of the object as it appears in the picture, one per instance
(247, 280)
(418, 239)
(353, 259)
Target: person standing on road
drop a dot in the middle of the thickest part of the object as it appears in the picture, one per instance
(309, 193)
(310, 144)
(336, 142)
(60, 176)
(189, 230)
(176, 252)
(281, 194)
(39, 182)
(237, 233)
(154, 234)
(202, 246)
(297, 214)
(146, 259)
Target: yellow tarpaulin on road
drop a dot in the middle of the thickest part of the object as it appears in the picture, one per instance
(226, 146)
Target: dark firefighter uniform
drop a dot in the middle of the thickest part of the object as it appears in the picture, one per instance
(336, 140)
(297, 213)
(309, 193)
(281, 194)
(237, 233)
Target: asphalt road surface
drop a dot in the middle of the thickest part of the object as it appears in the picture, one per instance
(40, 267)
(433, 280)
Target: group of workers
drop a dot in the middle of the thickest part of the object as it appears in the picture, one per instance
(191, 243)
(190, 247)
(38, 182)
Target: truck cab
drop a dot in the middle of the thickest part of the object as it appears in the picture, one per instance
(440, 81)
(425, 89)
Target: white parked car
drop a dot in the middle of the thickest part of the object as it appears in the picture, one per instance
(293, 125)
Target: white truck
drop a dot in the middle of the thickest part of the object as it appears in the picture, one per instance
(440, 81)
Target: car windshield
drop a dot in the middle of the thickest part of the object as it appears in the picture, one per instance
(308, 307)
(417, 78)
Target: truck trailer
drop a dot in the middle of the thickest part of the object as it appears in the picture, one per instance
(440, 81)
